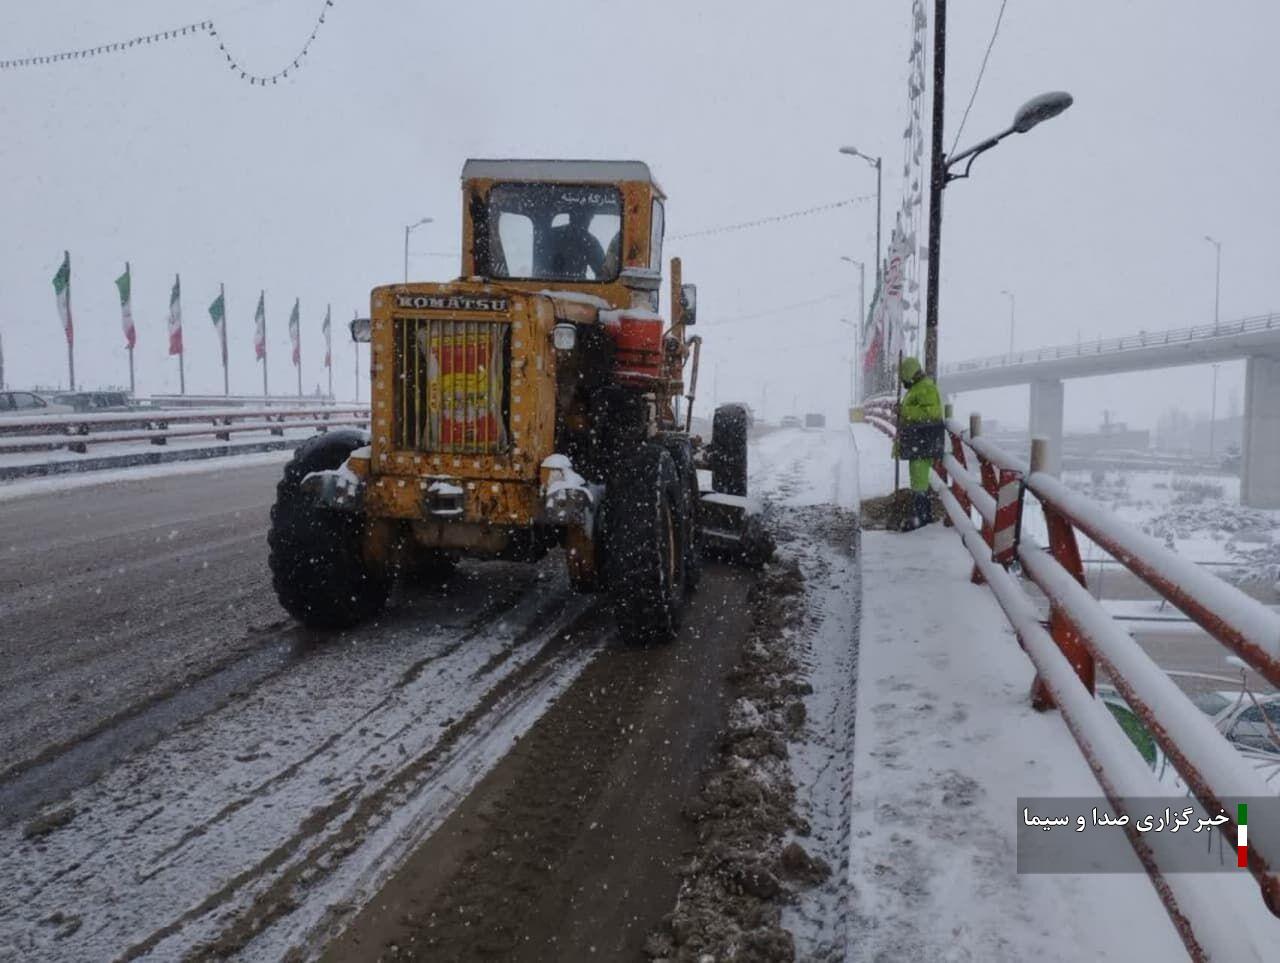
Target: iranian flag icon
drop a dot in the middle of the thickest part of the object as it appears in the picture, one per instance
(1242, 835)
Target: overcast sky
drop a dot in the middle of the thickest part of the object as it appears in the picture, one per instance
(161, 156)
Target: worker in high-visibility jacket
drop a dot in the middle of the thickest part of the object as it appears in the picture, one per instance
(920, 406)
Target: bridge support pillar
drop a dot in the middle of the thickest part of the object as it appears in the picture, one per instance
(1260, 461)
(1046, 420)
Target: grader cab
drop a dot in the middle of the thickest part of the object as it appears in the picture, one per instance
(538, 401)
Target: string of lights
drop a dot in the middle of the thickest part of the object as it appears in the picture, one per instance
(759, 222)
(206, 27)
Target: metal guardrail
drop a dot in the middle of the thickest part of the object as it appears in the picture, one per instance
(1145, 339)
(78, 431)
(1081, 633)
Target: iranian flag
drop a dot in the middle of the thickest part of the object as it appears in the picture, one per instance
(62, 288)
(295, 334)
(260, 327)
(327, 328)
(218, 314)
(124, 283)
(175, 317)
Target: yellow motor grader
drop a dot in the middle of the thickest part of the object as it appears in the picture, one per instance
(535, 402)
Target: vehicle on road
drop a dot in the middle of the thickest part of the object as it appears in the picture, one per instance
(91, 401)
(812, 420)
(21, 403)
(530, 403)
(790, 421)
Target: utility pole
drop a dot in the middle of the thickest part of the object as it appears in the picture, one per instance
(407, 229)
(1217, 277)
(1012, 304)
(937, 181)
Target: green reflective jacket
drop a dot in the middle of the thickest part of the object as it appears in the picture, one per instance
(922, 402)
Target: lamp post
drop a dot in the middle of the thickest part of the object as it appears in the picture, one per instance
(853, 367)
(862, 320)
(1033, 112)
(407, 229)
(874, 162)
(1012, 304)
(1217, 276)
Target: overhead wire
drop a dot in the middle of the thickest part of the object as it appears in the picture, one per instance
(772, 219)
(978, 83)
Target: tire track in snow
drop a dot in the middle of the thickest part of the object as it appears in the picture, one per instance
(246, 796)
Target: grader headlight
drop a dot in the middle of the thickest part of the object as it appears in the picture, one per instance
(564, 336)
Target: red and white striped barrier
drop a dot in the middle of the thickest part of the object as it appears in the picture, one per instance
(1007, 530)
(1080, 633)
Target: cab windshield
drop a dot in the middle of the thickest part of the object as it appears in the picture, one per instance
(552, 232)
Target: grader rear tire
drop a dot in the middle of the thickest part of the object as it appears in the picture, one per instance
(317, 569)
(729, 450)
(645, 554)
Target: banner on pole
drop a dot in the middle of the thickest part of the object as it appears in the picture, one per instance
(328, 338)
(295, 334)
(124, 283)
(62, 288)
(218, 313)
(260, 328)
(175, 317)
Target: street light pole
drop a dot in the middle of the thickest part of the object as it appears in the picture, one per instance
(1033, 112)
(862, 321)
(1217, 277)
(1012, 303)
(407, 229)
(876, 163)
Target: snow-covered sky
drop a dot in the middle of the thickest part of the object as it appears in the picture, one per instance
(163, 157)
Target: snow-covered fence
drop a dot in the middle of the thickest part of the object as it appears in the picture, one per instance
(881, 412)
(1256, 324)
(1080, 633)
(77, 432)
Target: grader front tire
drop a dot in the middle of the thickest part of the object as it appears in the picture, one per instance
(317, 569)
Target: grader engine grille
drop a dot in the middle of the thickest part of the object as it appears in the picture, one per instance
(451, 385)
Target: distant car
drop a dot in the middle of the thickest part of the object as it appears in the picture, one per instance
(19, 403)
(789, 421)
(812, 420)
(92, 401)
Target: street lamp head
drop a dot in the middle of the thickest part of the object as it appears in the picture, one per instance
(1039, 109)
(852, 151)
(425, 220)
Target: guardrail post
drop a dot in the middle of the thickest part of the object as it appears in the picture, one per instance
(1066, 551)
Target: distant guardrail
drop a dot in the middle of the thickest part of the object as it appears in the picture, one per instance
(1144, 339)
(77, 432)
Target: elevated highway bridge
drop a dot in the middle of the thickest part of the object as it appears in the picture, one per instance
(1256, 340)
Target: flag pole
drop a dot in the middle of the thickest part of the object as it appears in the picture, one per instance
(356, 344)
(71, 355)
(328, 345)
(261, 300)
(226, 383)
(129, 347)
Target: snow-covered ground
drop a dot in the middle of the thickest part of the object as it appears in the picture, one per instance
(946, 741)
(799, 467)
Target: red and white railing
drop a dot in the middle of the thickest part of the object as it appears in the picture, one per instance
(77, 432)
(1080, 634)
